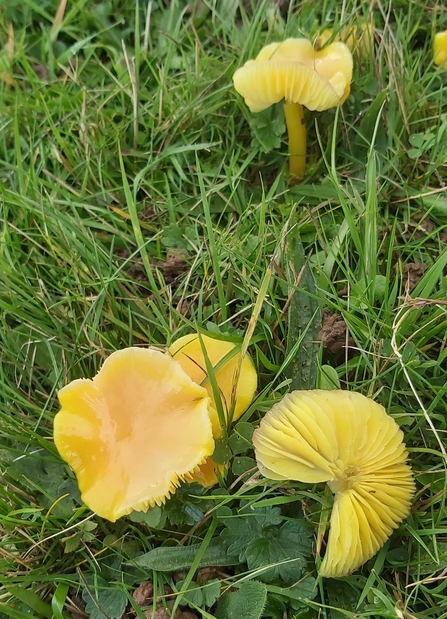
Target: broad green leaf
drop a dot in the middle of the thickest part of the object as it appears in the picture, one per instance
(151, 518)
(174, 558)
(108, 604)
(240, 531)
(328, 378)
(247, 602)
(304, 315)
(285, 549)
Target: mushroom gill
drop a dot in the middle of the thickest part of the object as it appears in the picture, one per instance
(348, 441)
(294, 71)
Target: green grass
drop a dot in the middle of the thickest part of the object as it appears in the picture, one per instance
(121, 139)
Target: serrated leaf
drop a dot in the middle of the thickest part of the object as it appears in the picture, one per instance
(285, 549)
(240, 531)
(108, 604)
(247, 602)
(72, 542)
(183, 507)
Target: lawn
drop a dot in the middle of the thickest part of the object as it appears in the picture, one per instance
(140, 201)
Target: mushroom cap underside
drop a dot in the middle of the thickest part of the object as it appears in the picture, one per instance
(294, 71)
(348, 441)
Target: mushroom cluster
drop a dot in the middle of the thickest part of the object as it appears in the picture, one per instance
(145, 422)
(349, 442)
(302, 76)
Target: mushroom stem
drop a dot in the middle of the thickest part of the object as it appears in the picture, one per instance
(296, 129)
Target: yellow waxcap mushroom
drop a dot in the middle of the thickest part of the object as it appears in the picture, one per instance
(348, 441)
(225, 358)
(133, 432)
(358, 37)
(294, 71)
(440, 49)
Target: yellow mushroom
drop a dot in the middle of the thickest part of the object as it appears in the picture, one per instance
(295, 72)
(358, 37)
(224, 356)
(348, 441)
(440, 49)
(134, 432)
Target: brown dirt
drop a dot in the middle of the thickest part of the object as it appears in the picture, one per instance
(333, 332)
(412, 272)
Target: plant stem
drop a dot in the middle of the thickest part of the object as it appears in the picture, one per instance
(296, 130)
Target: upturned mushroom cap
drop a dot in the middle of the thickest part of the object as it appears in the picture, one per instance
(348, 441)
(188, 351)
(133, 432)
(294, 71)
(440, 49)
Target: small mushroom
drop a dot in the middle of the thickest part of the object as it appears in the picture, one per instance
(348, 441)
(440, 49)
(133, 432)
(294, 71)
(225, 358)
(358, 36)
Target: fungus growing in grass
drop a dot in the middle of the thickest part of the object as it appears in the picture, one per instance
(440, 49)
(236, 392)
(225, 359)
(358, 37)
(133, 432)
(348, 441)
(294, 71)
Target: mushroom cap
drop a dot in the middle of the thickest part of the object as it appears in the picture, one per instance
(440, 49)
(358, 36)
(348, 441)
(188, 351)
(206, 473)
(293, 70)
(133, 432)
